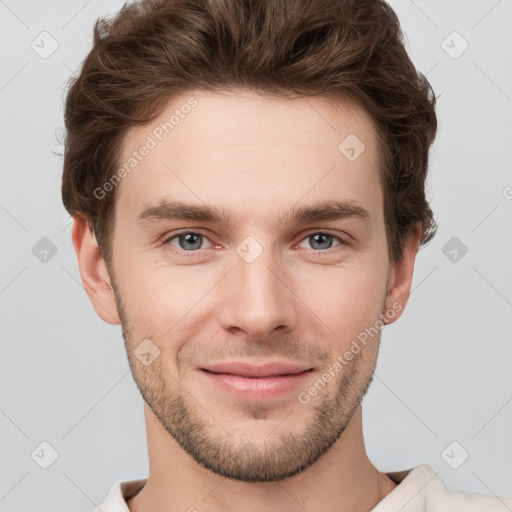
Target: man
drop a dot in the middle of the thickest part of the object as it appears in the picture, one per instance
(247, 183)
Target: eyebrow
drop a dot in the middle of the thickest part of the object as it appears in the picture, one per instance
(177, 210)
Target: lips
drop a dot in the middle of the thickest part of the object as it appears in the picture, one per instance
(247, 370)
(264, 382)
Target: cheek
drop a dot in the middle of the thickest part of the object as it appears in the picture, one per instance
(346, 299)
(160, 301)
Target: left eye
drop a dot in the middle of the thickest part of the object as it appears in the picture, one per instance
(322, 241)
(190, 241)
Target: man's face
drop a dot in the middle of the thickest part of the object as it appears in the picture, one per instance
(259, 287)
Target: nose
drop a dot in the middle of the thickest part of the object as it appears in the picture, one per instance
(257, 298)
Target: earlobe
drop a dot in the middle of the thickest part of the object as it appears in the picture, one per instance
(93, 272)
(400, 279)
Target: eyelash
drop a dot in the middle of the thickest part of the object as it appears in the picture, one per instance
(342, 242)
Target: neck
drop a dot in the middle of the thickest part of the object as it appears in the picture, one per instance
(342, 480)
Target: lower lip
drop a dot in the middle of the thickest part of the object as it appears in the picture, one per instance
(260, 388)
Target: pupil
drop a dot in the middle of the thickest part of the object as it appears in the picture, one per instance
(320, 238)
(189, 239)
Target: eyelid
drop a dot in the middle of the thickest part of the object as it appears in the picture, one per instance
(326, 231)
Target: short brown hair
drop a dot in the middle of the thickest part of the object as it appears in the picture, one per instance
(153, 50)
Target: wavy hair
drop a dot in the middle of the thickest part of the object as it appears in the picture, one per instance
(153, 50)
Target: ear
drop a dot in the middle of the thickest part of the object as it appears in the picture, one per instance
(93, 272)
(400, 279)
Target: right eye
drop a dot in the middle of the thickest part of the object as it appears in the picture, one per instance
(188, 241)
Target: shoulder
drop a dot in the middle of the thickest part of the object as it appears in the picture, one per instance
(116, 500)
(439, 497)
(420, 489)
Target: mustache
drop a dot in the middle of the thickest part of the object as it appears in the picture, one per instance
(311, 354)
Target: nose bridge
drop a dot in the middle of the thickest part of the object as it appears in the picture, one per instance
(259, 300)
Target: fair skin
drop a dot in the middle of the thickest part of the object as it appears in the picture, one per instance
(304, 299)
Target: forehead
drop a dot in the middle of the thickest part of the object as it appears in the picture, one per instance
(253, 153)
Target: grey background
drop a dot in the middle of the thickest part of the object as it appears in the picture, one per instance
(444, 370)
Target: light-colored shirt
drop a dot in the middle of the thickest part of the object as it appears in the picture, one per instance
(419, 490)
